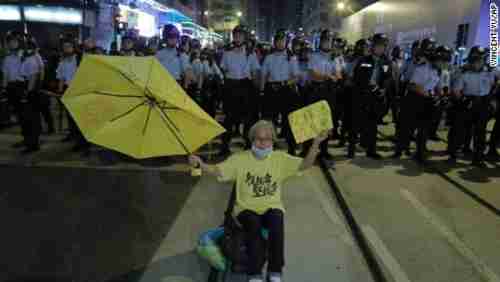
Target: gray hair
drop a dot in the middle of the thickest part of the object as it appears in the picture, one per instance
(262, 124)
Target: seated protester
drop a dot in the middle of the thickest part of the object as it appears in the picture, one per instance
(259, 174)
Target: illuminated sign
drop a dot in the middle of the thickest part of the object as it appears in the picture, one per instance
(53, 14)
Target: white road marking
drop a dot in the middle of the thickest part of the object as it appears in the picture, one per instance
(383, 253)
(459, 245)
(326, 206)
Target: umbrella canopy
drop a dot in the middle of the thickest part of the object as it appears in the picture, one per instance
(133, 105)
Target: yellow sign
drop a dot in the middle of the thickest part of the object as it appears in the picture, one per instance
(310, 121)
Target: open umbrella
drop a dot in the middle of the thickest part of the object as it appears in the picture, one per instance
(133, 105)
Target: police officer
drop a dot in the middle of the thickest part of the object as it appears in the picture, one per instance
(236, 64)
(371, 77)
(185, 44)
(341, 95)
(474, 85)
(443, 56)
(322, 75)
(12, 80)
(65, 73)
(406, 74)
(361, 49)
(32, 70)
(279, 75)
(175, 61)
(394, 95)
(423, 90)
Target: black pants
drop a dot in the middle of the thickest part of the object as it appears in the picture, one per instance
(14, 92)
(31, 119)
(495, 134)
(74, 131)
(474, 116)
(45, 111)
(281, 100)
(253, 223)
(236, 98)
(417, 114)
(210, 93)
(366, 111)
(315, 93)
(338, 101)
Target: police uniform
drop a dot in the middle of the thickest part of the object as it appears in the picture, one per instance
(370, 81)
(420, 115)
(236, 64)
(175, 62)
(212, 79)
(320, 62)
(65, 73)
(278, 71)
(31, 69)
(476, 87)
(13, 81)
(495, 134)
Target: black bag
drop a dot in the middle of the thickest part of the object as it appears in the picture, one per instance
(233, 242)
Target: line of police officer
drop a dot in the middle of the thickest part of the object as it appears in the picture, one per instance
(23, 74)
(360, 89)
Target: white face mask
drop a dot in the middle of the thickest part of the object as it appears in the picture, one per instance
(261, 153)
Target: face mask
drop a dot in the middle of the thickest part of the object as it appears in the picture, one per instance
(261, 153)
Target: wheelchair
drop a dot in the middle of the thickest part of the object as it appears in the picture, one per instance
(231, 229)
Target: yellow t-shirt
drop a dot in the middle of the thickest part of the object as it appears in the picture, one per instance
(258, 182)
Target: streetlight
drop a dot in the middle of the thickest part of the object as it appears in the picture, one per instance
(205, 13)
(340, 6)
(239, 14)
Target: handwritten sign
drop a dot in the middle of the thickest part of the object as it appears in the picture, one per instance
(310, 121)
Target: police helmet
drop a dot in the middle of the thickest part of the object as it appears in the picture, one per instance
(428, 44)
(379, 39)
(195, 43)
(170, 31)
(361, 45)
(14, 35)
(443, 53)
(477, 51)
(339, 43)
(68, 38)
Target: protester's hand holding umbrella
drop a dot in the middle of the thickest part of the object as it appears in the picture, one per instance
(132, 105)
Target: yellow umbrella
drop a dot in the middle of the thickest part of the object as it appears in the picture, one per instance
(133, 105)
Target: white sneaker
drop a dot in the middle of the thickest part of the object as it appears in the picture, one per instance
(255, 280)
